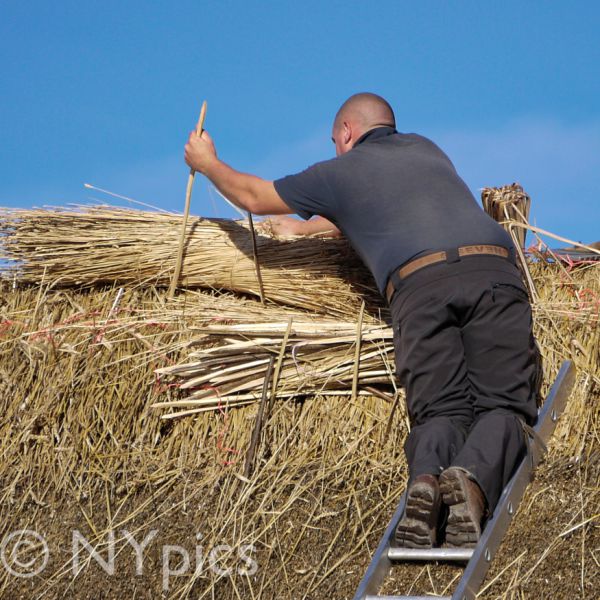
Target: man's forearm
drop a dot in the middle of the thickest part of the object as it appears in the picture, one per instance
(237, 187)
(249, 192)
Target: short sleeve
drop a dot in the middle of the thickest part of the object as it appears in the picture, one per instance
(307, 193)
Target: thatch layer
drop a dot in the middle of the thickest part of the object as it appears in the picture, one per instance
(107, 245)
(82, 372)
(83, 449)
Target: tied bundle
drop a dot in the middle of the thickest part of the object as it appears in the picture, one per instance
(98, 245)
(312, 358)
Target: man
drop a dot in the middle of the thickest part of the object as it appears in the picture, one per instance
(461, 317)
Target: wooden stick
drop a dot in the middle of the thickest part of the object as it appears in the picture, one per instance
(554, 236)
(391, 417)
(379, 394)
(259, 421)
(261, 289)
(188, 197)
(357, 350)
(279, 363)
(34, 318)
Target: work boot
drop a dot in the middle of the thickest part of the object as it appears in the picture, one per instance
(466, 504)
(418, 526)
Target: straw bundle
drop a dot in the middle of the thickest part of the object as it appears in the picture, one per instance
(508, 204)
(313, 358)
(95, 245)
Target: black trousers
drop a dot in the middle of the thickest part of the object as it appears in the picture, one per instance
(466, 356)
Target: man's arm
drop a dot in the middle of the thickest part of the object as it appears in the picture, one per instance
(284, 225)
(246, 191)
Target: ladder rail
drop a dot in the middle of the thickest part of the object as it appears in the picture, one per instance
(478, 559)
(380, 563)
(493, 532)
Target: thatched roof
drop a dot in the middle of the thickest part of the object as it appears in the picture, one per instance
(87, 372)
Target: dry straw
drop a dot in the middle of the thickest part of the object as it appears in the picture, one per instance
(96, 245)
(83, 448)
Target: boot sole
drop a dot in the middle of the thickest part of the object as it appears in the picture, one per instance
(417, 529)
(463, 529)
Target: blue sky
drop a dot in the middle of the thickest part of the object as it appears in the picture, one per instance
(107, 92)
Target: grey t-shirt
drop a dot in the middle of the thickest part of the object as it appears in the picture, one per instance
(395, 197)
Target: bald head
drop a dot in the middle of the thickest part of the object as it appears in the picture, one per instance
(366, 111)
(356, 116)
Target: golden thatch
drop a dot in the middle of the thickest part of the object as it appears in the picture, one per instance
(85, 374)
(93, 245)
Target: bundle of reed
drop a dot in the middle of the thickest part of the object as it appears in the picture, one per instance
(119, 315)
(311, 357)
(216, 307)
(507, 204)
(85, 246)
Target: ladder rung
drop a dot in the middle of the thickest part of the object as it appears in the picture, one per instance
(369, 597)
(416, 554)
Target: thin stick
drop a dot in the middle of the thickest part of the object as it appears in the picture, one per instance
(280, 361)
(259, 421)
(188, 197)
(391, 417)
(34, 318)
(552, 235)
(115, 305)
(89, 186)
(237, 208)
(261, 289)
(379, 394)
(357, 350)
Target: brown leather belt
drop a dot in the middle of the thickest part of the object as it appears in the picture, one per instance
(436, 257)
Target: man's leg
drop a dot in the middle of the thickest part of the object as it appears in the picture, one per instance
(429, 449)
(501, 361)
(430, 366)
(432, 446)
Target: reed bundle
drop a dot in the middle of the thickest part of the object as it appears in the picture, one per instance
(313, 359)
(96, 245)
(508, 204)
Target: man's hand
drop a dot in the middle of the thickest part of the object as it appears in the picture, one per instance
(284, 225)
(200, 151)
(280, 225)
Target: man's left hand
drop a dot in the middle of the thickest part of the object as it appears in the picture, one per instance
(284, 225)
(281, 225)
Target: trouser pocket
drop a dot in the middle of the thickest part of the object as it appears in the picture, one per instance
(510, 288)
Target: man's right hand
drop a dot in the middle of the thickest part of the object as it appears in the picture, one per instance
(200, 151)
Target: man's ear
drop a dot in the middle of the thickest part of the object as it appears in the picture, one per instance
(347, 132)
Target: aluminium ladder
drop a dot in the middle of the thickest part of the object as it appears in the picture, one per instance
(478, 559)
